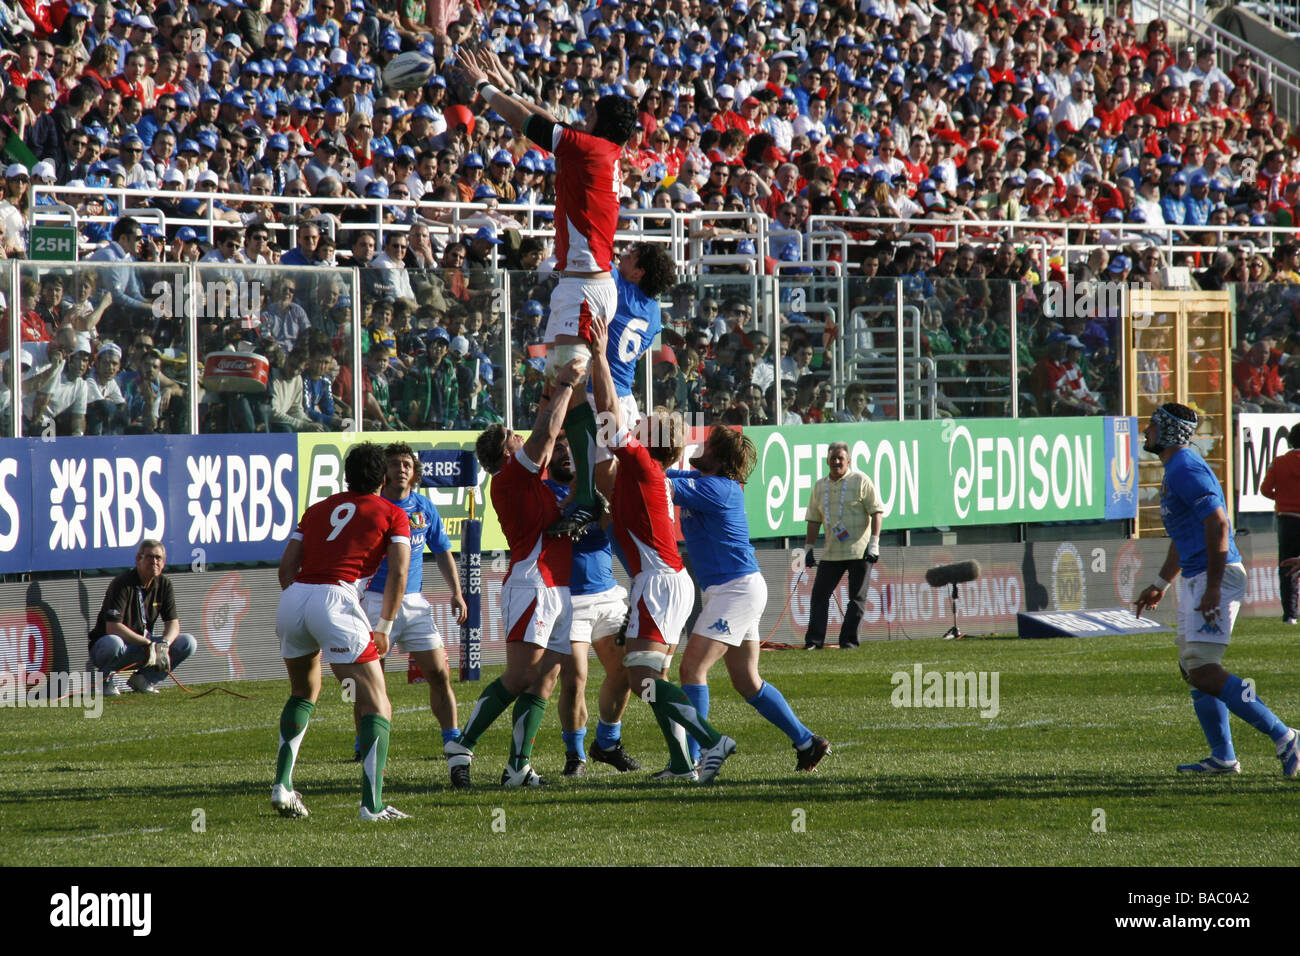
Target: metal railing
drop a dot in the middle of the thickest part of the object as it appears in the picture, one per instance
(1281, 16)
(1057, 242)
(284, 215)
(1279, 78)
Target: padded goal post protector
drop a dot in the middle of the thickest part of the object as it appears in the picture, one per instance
(453, 468)
(1101, 622)
(471, 579)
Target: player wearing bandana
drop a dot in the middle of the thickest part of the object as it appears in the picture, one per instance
(1211, 585)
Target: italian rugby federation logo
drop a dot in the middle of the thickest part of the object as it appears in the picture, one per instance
(1122, 470)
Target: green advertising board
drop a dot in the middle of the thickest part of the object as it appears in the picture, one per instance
(53, 243)
(938, 474)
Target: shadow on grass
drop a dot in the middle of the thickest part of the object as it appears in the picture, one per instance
(894, 789)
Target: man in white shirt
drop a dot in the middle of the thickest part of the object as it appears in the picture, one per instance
(392, 259)
(105, 403)
(1076, 109)
(1209, 73)
(60, 407)
(847, 503)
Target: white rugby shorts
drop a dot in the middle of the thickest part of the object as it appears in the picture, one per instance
(597, 615)
(414, 629)
(575, 301)
(537, 615)
(733, 609)
(326, 618)
(661, 604)
(1194, 631)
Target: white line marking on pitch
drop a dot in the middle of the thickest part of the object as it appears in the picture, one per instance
(98, 836)
(176, 733)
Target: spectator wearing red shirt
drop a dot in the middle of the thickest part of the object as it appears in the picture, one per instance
(23, 70)
(1155, 40)
(1273, 179)
(918, 148)
(749, 118)
(128, 82)
(1282, 484)
(1258, 381)
(1112, 110)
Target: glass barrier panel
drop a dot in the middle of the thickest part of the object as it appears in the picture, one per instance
(274, 348)
(716, 363)
(109, 350)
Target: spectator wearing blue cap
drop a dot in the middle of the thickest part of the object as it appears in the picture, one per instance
(471, 176)
(500, 173)
(431, 396)
(1146, 207)
(1173, 205)
(278, 163)
(1197, 200)
(379, 170)
(114, 45)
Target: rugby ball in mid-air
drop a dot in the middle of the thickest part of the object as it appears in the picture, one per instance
(409, 70)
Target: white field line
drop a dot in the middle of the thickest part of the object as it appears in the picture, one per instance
(174, 733)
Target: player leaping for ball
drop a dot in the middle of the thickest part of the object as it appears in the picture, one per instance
(587, 183)
(338, 542)
(662, 592)
(415, 631)
(535, 605)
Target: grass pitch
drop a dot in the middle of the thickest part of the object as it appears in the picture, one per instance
(1088, 734)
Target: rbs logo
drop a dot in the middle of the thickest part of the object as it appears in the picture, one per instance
(105, 502)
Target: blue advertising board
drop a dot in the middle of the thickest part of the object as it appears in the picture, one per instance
(89, 502)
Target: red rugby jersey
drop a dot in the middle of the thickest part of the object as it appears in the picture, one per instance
(642, 512)
(346, 536)
(526, 508)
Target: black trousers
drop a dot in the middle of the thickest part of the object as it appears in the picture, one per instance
(1288, 546)
(824, 585)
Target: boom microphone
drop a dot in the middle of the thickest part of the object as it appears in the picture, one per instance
(958, 573)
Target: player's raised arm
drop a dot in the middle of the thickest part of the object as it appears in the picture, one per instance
(550, 415)
(602, 379)
(483, 71)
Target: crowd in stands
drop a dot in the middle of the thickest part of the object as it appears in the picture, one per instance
(928, 117)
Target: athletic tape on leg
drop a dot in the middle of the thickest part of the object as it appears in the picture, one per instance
(655, 660)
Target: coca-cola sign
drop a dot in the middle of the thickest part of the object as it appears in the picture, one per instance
(235, 365)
